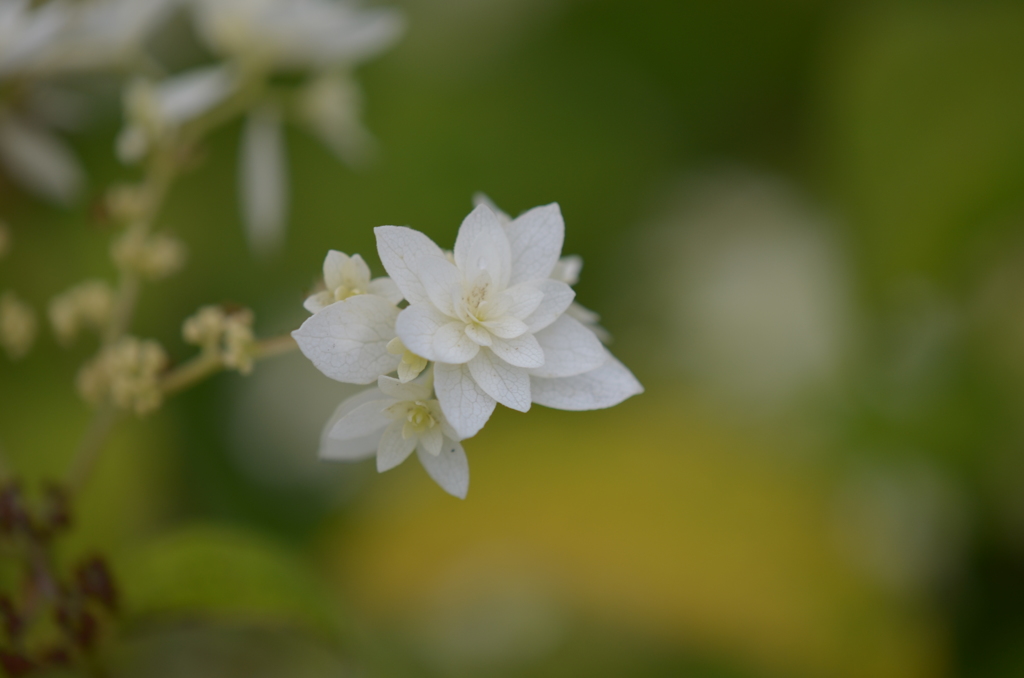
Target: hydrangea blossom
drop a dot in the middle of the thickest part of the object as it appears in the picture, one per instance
(392, 420)
(491, 316)
(345, 277)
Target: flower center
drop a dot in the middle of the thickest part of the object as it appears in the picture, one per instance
(418, 420)
(344, 292)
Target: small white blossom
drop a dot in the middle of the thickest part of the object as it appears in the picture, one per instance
(86, 305)
(392, 420)
(345, 277)
(331, 106)
(18, 326)
(126, 374)
(152, 256)
(411, 364)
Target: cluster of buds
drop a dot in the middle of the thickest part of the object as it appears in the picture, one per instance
(87, 305)
(52, 621)
(153, 257)
(226, 334)
(125, 374)
(18, 325)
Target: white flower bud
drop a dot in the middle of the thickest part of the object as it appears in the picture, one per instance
(205, 328)
(127, 203)
(125, 374)
(153, 257)
(239, 342)
(18, 326)
(411, 364)
(87, 305)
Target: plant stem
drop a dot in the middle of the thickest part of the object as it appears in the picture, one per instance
(208, 363)
(90, 447)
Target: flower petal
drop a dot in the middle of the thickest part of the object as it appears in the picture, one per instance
(449, 469)
(429, 333)
(347, 341)
(483, 246)
(385, 287)
(523, 299)
(465, 405)
(522, 351)
(398, 248)
(352, 449)
(334, 263)
(362, 421)
(606, 386)
(418, 389)
(557, 298)
(431, 440)
(505, 328)
(318, 302)
(569, 349)
(507, 384)
(441, 280)
(536, 239)
(394, 447)
(264, 180)
(39, 161)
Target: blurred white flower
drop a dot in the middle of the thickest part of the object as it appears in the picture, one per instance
(86, 305)
(393, 420)
(154, 257)
(295, 34)
(331, 105)
(126, 374)
(345, 277)
(38, 160)
(228, 336)
(18, 326)
(263, 179)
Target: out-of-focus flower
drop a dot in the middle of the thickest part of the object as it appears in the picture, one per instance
(125, 374)
(393, 420)
(229, 335)
(18, 325)
(152, 256)
(567, 270)
(86, 305)
(321, 37)
(345, 277)
(156, 111)
(38, 159)
(205, 328)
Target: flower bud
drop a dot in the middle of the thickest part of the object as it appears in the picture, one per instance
(87, 305)
(153, 257)
(125, 374)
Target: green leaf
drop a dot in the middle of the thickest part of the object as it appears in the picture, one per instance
(223, 573)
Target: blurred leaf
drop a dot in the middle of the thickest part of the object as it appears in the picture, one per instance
(222, 573)
(927, 104)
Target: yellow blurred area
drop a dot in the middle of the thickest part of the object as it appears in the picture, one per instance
(649, 519)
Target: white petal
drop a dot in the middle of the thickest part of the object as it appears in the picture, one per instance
(431, 440)
(419, 389)
(334, 262)
(522, 351)
(478, 335)
(465, 405)
(480, 198)
(394, 448)
(399, 247)
(449, 469)
(568, 269)
(348, 340)
(264, 181)
(509, 385)
(569, 349)
(557, 298)
(362, 421)
(356, 272)
(606, 386)
(536, 239)
(385, 287)
(483, 246)
(318, 302)
(353, 449)
(506, 328)
(441, 280)
(39, 161)
(187, 96)
(524, 298)
(429, 333)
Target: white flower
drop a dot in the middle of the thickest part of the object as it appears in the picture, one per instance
(345, 277)
(393, 420)
(38, 159)
(295, 34)
(89, 304)
(492, 319)
(567, 270)
(411, 364)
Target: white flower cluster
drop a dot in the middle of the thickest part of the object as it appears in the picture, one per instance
(228, 336)
(125, 374)
(493, 317)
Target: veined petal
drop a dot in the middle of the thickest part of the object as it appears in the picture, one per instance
(524, 299)
(536, 240)
(385, 287)
(483, 246)
(318, 302)
(394, 448)
(522, 351)
(506, 328)
(347, 341)
(441, 280)
(557, 298)
(429, 333)
(398, 248)
(352, 449)
(356, 272)
(478, 335)
(465, 405)
(264, 179)
(334, 263)
(507, 384)
(39, 161)
(418, 389)
(449, 469)
(569, 349)
(481, 198)
(361, 421)
(608, 385)
(431, 440)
